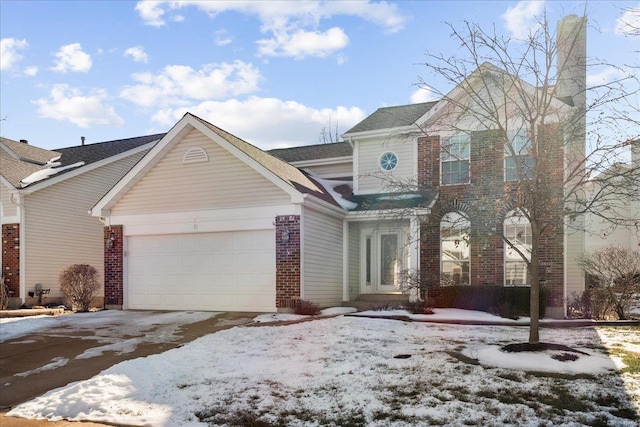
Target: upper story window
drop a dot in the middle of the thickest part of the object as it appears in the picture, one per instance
(517, 157)
(388, 161)
(455, 160)
(455, 253)
(517, 231)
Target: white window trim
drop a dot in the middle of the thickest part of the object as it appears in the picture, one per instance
(384, 154)
(468, 159)
(440, 243)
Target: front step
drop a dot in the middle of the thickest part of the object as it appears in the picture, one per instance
(377, 301)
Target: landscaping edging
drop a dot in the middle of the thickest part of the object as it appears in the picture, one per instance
(31, 312)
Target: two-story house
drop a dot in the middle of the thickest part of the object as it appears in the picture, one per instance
(208, 221)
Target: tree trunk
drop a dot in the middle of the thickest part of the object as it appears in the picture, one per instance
(534, 314)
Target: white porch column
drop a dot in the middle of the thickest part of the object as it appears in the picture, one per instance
(345, 260)
(414, 253)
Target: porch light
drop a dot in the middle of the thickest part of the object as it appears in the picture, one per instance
(109, 241)
(284, 236)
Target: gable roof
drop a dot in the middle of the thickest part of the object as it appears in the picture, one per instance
(313, 152)
(291, 179)
(91, 153)
(19, 159)
(296, 178)
(392, 117)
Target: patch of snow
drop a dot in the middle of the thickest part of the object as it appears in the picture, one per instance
(13, 327)
(56, 362)
(333, 311)
(49, 170)
(330, 186)
(287, 317)
(338, 366)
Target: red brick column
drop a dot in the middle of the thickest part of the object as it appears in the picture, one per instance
(113, 271)
(287, 261)
(11, 258)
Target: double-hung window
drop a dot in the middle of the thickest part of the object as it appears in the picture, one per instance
(455, 160)
(517, 157)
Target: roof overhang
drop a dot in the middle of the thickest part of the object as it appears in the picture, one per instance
(185, 125)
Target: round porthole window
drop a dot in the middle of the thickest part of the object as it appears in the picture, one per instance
(388, 161)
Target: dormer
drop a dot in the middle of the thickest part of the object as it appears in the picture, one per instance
(384, 148)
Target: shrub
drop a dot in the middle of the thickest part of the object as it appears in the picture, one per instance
(418, 307)
(78, 284)
(306, 308)
(510, 302)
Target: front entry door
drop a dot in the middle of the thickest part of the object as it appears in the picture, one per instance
(383, 259)
(389, 262)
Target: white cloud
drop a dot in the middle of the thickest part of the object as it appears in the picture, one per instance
(177, 83)
(423, 94)
(9, 52)
(294, 25)
(267, 122)
(222, 39)
(304, 43)
(608, 75)
(521, 20)
(70, 105)
(137, 53)
(629, 23)
(71, 58)
(31, 71)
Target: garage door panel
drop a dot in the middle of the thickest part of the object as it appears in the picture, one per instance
(232, 271)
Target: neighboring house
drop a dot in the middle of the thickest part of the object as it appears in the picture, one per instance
(207, 221)
(45, 197)
(600, 232)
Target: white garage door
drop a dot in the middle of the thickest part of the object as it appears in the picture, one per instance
(227, 271)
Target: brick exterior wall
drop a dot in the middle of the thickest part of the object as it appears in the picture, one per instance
(287, 261)
(113, 267)
(11, 258)
(487, 184)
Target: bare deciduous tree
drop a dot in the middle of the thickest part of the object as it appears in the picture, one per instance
(568, 143)
(617, 273)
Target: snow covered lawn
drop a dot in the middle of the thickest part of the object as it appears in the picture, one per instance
(363, 371)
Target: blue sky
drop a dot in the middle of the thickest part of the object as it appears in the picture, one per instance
(272, 73)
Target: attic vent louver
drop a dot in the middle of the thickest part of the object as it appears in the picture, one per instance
(195, 155)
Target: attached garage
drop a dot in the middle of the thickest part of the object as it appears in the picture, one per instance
(224, 271)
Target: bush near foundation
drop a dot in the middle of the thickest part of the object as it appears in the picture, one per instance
(79, 284)
(510, 302)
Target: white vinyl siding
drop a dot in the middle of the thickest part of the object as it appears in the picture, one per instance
(369, 173)
(322, 251)
(223, 181)
(354, 260)
(338, 170)
(8, 208)
(60, 232)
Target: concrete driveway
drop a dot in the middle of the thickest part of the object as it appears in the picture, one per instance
(78, 346)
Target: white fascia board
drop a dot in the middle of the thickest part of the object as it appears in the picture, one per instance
(322, 162)
(82, 169)
(313, 202)
(7, 184)
(381, 132)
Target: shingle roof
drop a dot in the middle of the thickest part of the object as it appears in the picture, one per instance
(313, 152)
(91, 153)
(28, 152)
(392, 117)
(293, 176)
(19, 160)
(372, 202)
